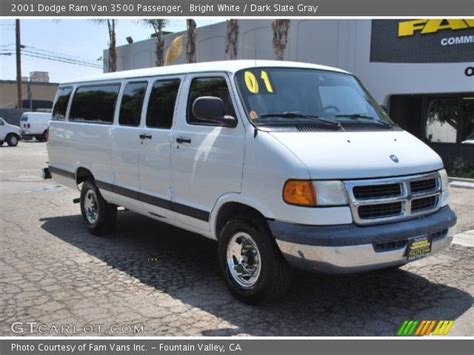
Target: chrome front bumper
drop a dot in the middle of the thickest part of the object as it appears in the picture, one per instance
(346, 249)
(347, 259)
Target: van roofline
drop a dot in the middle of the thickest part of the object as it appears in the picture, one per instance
(230, 66)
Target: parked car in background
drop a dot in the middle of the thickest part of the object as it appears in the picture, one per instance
(9, 133)
(35, 125)
(283, 164)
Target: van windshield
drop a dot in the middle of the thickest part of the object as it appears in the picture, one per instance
(295, 95)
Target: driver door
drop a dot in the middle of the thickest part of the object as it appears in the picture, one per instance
(207, 159)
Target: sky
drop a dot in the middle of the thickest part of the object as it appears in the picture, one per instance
(80, 38)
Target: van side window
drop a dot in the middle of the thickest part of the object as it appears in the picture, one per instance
(162, 102)
(132, 103)
(212, 86)
(95, 104)
(60, 107)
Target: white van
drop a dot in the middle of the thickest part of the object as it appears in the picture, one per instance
(284, 164)
(35, 124)
(9, 133)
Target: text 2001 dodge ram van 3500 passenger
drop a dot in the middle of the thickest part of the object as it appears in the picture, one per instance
(284, 164)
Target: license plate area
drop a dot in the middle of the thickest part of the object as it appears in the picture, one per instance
(418, 248)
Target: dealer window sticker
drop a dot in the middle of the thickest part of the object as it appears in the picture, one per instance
(252, 83)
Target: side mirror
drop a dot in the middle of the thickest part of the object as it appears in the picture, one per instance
(211, 108)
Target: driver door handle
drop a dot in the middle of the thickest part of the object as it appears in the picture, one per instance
(182, 140)
(146, 136)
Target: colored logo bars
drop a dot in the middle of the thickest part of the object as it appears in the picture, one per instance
(425, 327)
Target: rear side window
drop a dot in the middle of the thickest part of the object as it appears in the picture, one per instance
(24, 118)
(95, 104)
(60, 106)
(132, 103)
(162, 102)
(215, 86)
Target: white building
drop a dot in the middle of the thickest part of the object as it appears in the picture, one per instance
(422, 70)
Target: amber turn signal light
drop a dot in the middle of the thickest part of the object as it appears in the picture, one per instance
(300, 193)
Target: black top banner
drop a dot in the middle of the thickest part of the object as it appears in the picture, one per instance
(422, 41)
(235, 8)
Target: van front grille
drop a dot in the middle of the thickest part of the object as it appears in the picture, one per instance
(377, 191)
(424, 203)
(423, 185)
(391, 199)
(380, 211)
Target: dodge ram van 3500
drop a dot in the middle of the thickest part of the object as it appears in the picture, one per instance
(284, 164)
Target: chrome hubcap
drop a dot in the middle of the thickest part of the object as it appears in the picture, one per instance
(14, 140)
(243, 260)
(90, 206)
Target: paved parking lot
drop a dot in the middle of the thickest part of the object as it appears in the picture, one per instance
(152, 279)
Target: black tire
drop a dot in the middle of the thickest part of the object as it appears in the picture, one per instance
(1, 143)
(12, 140)
(275, 273)
(105, 213)
(45, 136)
(39, 138)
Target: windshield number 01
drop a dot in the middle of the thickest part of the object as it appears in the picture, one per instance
(252, 83)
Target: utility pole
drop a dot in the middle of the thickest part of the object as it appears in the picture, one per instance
(18, 64)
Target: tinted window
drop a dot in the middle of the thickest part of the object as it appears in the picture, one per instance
(60, 106)
(468, 132)
(132, 103)
(442, 119)
(161, 105)
(270, 92)
(94, 103)
(209, 87)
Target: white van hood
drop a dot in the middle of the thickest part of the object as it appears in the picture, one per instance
(353, 155)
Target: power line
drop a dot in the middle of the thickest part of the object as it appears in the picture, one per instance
(59, 58)
(61, 54)
(52, 58)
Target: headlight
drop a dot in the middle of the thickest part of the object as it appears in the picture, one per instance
(330, 193)
(314, 193)
(444, 179)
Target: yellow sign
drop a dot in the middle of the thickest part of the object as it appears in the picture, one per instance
(427, 26)
(252, 85)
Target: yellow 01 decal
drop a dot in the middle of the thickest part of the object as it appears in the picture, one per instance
(266, 81)
(252, 83)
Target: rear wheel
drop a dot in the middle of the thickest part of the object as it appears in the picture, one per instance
(44, 137)
(1, 143)
(12, 140)
(253, 267)
(99, 216)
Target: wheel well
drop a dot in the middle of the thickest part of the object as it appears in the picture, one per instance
(82, 174)
(12, 134)
(231, 209)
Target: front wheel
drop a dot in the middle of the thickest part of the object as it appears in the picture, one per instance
(253, 267)
(99, 216)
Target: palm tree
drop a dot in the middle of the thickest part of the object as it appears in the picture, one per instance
(158, 26)
(280, 37)
(112, 57)
(231, 39)
(191, 42)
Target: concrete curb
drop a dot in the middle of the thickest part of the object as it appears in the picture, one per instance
(462, 184)
(465, 238)
(454, 178)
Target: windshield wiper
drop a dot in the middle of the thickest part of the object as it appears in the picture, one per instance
(358, 116)
(296, 114)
